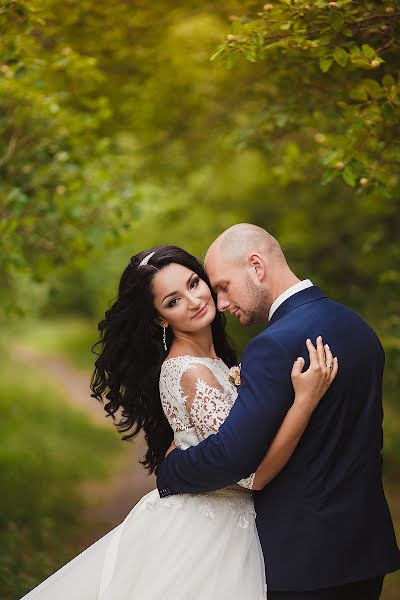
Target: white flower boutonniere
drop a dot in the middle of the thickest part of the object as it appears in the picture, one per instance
(234, 374)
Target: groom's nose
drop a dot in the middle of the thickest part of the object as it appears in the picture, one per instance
(222, 303)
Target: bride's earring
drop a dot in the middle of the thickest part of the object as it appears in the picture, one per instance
(164, 338)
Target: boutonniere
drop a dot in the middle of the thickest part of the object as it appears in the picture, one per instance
(234, 374)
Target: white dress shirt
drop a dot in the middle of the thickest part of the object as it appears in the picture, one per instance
(297, 287)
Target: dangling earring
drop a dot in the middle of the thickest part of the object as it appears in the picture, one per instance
(164, 338)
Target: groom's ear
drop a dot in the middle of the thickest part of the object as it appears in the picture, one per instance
(257, 263)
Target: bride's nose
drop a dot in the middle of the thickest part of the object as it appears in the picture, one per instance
(194, 302)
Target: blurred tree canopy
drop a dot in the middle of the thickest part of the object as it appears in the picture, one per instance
(119, 132)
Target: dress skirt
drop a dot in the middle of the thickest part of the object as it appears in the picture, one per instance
(183, 547)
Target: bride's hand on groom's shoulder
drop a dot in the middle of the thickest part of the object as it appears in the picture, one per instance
(311, 385)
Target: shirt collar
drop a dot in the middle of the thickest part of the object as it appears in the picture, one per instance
(297, 287)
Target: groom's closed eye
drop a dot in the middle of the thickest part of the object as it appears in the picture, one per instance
(222, 286)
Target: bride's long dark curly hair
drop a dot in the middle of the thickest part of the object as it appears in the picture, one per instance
(127, 369)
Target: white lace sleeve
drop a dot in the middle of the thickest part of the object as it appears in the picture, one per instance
(207, 403)
(248, 482)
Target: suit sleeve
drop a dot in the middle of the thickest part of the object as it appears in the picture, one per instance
(265, 395)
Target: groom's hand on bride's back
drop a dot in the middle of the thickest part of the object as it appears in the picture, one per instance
(309, 385)
(173, 446)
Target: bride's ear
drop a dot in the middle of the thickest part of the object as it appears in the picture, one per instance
(161, 322)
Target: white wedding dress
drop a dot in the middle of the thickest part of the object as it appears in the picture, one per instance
(182, 547)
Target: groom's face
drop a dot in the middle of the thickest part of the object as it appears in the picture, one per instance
(237, 291)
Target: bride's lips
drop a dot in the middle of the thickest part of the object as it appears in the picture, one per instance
(200, 312)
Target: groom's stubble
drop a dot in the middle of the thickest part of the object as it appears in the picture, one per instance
(256, 309)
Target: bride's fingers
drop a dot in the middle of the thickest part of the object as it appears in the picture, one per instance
(321, 354)
(335, 369)
(328, 361)
(313, 354)
(328, 355)
(297, 367)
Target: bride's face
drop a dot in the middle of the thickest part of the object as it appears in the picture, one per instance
(183, 300)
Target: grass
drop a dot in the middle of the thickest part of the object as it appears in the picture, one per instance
(47, 450)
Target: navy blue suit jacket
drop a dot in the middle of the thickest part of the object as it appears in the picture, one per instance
(324, 520)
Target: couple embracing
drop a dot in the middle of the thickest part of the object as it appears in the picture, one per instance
(272, 481)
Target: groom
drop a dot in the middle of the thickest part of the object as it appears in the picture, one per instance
(323, 522)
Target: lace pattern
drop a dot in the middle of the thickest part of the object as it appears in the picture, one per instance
(212, 505)
(197, 396)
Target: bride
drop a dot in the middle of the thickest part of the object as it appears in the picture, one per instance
(164, 368)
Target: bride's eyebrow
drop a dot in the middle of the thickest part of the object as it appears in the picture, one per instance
(173, 293)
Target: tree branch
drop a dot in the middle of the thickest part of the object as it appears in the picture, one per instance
(374, 18)
(10, 150)
(387, 45)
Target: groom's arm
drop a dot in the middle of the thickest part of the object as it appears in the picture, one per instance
(265, 396)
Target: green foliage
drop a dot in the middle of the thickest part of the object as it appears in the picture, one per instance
(134, 137)
(57, 197)
(128, 135)
(333, 72)
(50, 449)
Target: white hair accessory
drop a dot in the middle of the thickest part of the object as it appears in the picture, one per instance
(146, 259)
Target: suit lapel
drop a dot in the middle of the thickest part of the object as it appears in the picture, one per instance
(304, 297)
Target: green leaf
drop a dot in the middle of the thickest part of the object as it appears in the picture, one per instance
(328, 176)
(220, 50)
(373, 88)
(368, 51)
(349, 176)
(250, 54)
(389, 113)
(337, 20)
(340, 55)
(237, 28)
(388, 81)
(275, 44)
(325, 64)
(358, 93)
(230, 61)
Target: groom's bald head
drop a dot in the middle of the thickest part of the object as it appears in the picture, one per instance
(247, 270)
(238, 241)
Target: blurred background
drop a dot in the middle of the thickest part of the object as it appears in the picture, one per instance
(129, 124)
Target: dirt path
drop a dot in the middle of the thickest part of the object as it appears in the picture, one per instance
(109, 501)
